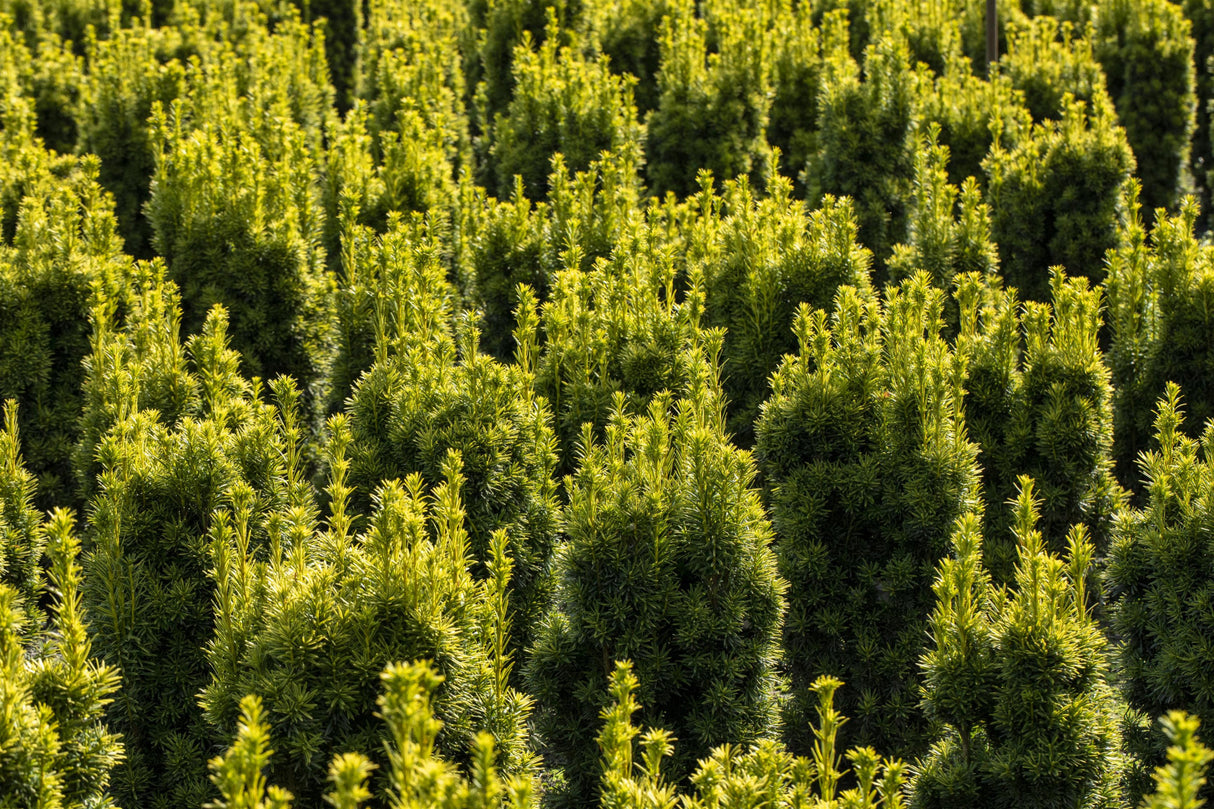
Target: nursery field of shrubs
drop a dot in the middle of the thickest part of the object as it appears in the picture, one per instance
(632, 404)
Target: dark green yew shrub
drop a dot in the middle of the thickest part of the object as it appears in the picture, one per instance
(235, 206)
(416, 774)
(864, 456)
(393, 290)
(866, 141)
(56, 750)
(1147, 55)
(1055, 196)
(307, 618)
(425, 397)
(770, 255)
(21, 539)
(1019, 679)
(630, 36)
(713, 106)
(1200, 14)
(797, 76)
(1161, 318)
(588, 216)
(505, 244)
(127, 75)
(972, 114)
(1046, 61)
(169, 430)
(1160, 590)
(561, 103)
(1038, 403)
(929, 28)
(239, 226)
(618, 327)
(666, 564)
(399, 149)
(63, 245)
(497, 28)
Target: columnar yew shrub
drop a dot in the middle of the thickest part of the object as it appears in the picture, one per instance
(393, 289)
(412, 61)
(343, 25)
(307, 618)
(863, 451)
(399, 149)
(770, 256)
(929, 27)
(949, 229)
(630, 35)
(972, 112)
(1161, 315)
(1200, 14)
(796, 75)
(21, 538)
(500, 25)
(618, 326)
(128, 74)
(235, 208)
(1158, 578)
(1046, 61)
(55, 747)
(63, 242)
(1019, 679)
(561, 103)
(1055, 196)
(1039, 403)
(505, 245)
(713, 107)
(425, 397)
(865, 139)
(176, 428)
(666, 564)
(1147, 56)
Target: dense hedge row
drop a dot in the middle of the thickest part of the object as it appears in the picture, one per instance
(414, 402)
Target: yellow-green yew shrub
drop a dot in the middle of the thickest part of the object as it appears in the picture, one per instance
(666, 563)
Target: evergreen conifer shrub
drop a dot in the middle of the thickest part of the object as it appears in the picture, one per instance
(1055, 196)
(1046, 61)
(175, 427)
(128, 74)
(949, 229)
(769, 256)
(62, 247)
(235, 208)
(56, 749)
(306, 618)
(667, 564)
(565, 104)
(1019, 679)
(763, 774)
(429, 397)
(616, 327)
(1039, 403)
(1146, 52)
(713, 106)
(1160, 589)
(1160, 293)
(865, 460)
(866, 117)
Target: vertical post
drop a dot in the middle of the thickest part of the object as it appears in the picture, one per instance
(992, 36)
